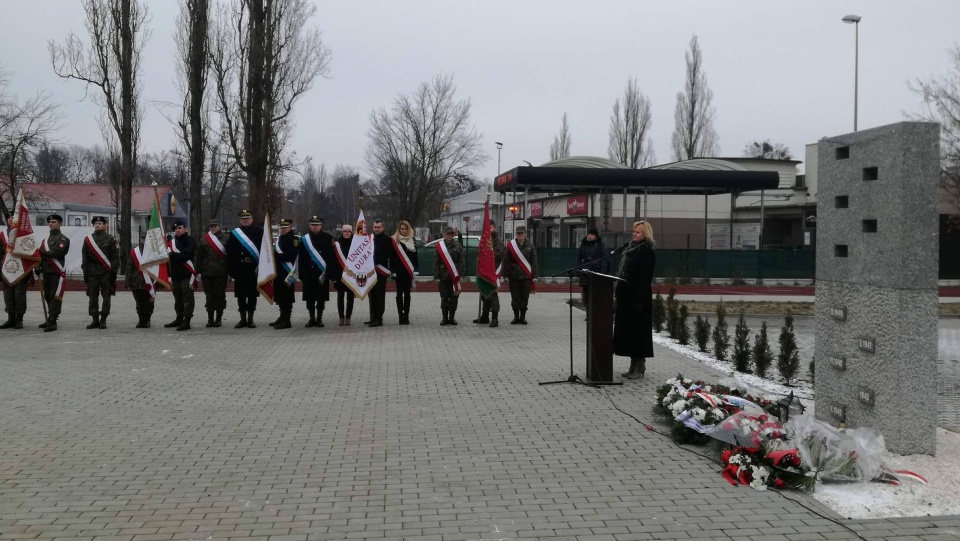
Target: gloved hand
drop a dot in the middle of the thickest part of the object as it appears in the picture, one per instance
(86, 279)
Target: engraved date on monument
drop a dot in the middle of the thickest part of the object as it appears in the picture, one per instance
(838, 313)
(838, 412)
(867, 344)
(839, 363)
(866, 396)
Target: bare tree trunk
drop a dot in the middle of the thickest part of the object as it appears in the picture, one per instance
(197, 77)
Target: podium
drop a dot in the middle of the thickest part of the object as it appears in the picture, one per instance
(600, 326)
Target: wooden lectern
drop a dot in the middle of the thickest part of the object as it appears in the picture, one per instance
(600, 326)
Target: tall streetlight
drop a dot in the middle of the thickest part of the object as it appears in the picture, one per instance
(855, 21)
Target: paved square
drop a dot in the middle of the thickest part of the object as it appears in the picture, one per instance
(416, 432)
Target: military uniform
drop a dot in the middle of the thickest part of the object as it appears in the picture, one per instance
(382, 249)
(212, 266)
(100, 275)
(520, 283)
(53, 255)
(449, 297)
(490, 306)
(182, 278)
(288, 249)
(14, 295)
(139, 287)
(242, 267)
(315, 279)
(403, 279)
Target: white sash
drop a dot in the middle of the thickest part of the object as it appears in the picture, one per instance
(451, 267)
(246, 243)
(314, 254)
(217, 246)
(289, 268)
(147, 280)
(518, 257)
(188, 264)
(97, 252)
(58, 295)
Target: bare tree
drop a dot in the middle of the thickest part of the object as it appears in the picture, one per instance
(941, 103)
(767, 150)
(560, 148)
(221, 178)
(111, 64)
(192, 72)
(693, 133)
(24, 125)
(418, 145)
(630, 141)
(51, 164)
(344, 195)
(263, 58)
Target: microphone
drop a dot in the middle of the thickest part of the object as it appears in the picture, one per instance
(621, 248)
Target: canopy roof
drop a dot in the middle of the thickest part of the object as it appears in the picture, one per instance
(586, 174)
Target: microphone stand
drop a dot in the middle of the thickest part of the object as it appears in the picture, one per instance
(573, 378)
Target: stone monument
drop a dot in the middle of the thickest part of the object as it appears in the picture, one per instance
(877, 271)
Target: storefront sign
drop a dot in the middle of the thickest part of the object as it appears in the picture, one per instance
(536, 209)
(577, 205)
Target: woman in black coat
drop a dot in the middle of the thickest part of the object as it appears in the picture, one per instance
(633, 329)
(336, 273)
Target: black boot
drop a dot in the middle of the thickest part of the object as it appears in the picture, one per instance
(406, 309)
(175, 323)
(284, 322)
(250, 323)
(42, 325)
(516, 317)
(276, 321)
(18, 322)
(51, 324)
(243, 320)
(11, 321)
(633, 367)
(210, 322)
(320, 318)
(446, 320)
(452, 321)
(95, 323)
(312, 322)
(219, 319)
(484, 316)
(400, 315)
(493, 320)
(103, 322)
(185, 324)
(523, 317)
(141, 321)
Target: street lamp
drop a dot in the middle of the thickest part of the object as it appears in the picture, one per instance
(855, 21)
(499, 146)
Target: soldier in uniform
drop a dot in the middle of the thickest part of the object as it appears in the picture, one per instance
(287, 249)
(520, 268)
(382, 248)
(449, 277)
(211, 260)
(139, 285)
(490, 307)
(404, 264)
(243, 254)
(316, 253)
(14, 295)
(100, 264)
(182, 276)
(53, 254)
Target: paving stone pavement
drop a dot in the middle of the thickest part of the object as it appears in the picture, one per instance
(416, 432)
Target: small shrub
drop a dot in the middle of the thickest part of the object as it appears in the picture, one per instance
(683, 331)
(701, 333)
(788, 362)
(811, 371)
(658, 313)
(720, 335)
(762, 356)
(673, 313)
(741, 346)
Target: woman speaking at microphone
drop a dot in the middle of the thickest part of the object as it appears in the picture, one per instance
(633, 329)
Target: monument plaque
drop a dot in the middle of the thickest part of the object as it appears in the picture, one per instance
(866, 396)
(838, 412)
(840, 363)
(868, 345)
(838, 313)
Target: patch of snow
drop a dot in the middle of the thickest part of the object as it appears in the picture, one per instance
(189, 355)
(165, 351)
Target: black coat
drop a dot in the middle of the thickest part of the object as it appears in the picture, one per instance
(633, 328)
(242, 264)
(334, 270)
(185, 248)
(594, 253)
(396, 263)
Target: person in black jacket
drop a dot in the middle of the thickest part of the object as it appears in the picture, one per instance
(317, 260)
(285, 266)
(344, 293)
(592, 257)
(243, 257)
(382, 250)
(633, 330)
(404, 254)
(182, 275)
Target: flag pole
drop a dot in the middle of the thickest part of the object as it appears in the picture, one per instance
(43, 298)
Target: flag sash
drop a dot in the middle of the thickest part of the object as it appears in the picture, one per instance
(314, 253)
(382, 271)
(147, 279)
(61, 282)
(448, 262)
(246, 243)
(518, 257)
(290, 269)
(215, 243)
(404, 259)
(188, 264)
(97, 252)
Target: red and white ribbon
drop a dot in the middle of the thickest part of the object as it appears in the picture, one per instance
(97, 252)
(147, 280)
(188, 264)
(215, 243)
(61, 282)
(448, 261)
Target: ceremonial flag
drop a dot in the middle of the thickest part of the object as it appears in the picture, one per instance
(154, 256)
(359, 272)
(488, 281)
(22, 252)
(265, 269)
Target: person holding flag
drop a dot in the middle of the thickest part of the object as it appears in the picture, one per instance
(141, 284)
(489, 259)
(100, 264)
(316, 252)
(211, 260)
(448, 268)
(19, 256)
(520, 268)
(345, 296)
(287, 250)
(243, 258)
(154, 254)
(53, 253)
(405, 267)
(183, 276)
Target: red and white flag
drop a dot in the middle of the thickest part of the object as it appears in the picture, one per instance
(266, 272)
(22, 251)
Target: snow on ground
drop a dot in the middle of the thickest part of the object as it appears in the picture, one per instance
(864, 500)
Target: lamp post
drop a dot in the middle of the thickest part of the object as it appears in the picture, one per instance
(855, 21)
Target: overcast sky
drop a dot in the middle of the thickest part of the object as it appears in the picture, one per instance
(778, 70)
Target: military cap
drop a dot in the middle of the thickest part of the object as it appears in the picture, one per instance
(521, 229)
(245, 214)
(285, 222)
(447, 229)
(98, 220)
(178, 223)
(315, 220)
(53, 217)
(213, 221)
